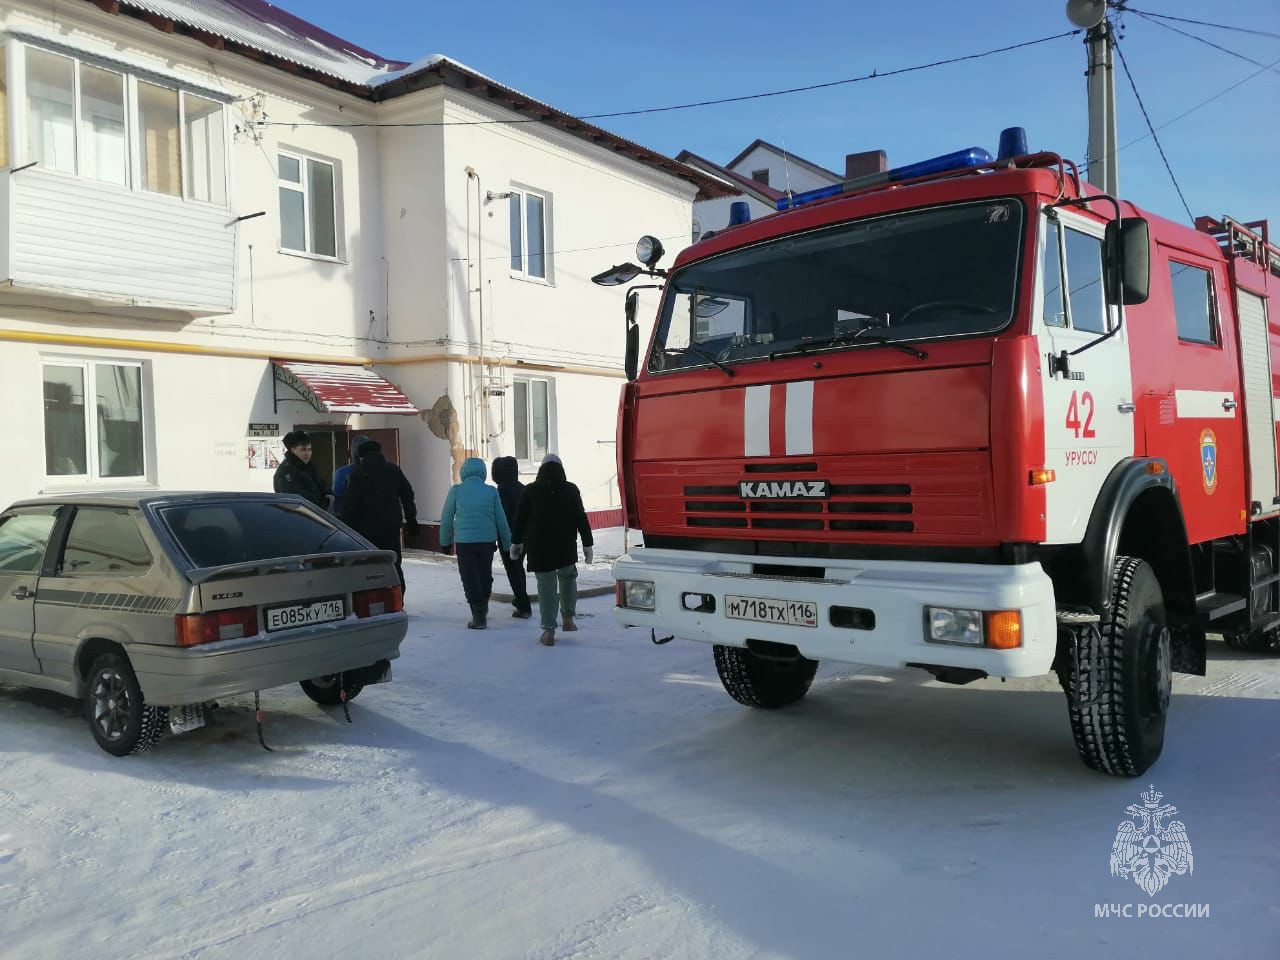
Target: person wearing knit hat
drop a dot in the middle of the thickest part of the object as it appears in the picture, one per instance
(342, 476)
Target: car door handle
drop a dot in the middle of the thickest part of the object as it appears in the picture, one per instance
(22, 593)
(1228, 404)
(1126, 407)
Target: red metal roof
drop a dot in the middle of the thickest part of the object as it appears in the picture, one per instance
(343, 388)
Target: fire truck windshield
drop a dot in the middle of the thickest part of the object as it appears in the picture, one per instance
(913, 276)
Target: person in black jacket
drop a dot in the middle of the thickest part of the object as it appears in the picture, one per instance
(297, 474)
(378, 500)
(548, 523)
(506, 474)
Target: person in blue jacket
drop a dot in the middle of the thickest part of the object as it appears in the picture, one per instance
(472, 521)
(342, 476)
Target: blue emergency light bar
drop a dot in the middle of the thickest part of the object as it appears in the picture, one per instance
(959, 160)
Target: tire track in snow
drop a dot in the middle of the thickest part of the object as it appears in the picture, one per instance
(325, 894)
(587, 938)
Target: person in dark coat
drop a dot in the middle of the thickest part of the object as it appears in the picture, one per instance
(506, 474)
(297, 474)
(342, 476)
(548, 523)
(378, 501)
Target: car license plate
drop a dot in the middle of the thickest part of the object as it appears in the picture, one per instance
(305, 614)
(790, 613)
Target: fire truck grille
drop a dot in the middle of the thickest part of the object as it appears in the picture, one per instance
(941, 497)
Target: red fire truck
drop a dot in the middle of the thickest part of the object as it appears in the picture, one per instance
(972, 416)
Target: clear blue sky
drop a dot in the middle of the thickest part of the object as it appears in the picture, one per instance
(591, 57)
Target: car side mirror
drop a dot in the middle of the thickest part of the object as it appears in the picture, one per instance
(632, 363)
(1126, 253)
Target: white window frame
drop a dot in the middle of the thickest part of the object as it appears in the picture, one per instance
(304, 188)
(523, 273)
(93, 475)
(527, 383)
(20, 145)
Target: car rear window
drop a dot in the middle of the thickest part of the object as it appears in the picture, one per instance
(213, 534)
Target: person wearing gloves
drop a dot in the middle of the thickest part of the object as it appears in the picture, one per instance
(548, 523)
(506, 474)
(342, 476)
(375, 499)
(473, 519)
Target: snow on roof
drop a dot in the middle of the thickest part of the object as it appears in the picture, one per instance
(265, 27)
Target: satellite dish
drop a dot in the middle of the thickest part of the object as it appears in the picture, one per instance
(1086, 13)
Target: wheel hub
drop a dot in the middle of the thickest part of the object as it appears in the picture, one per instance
(111, 704)
(1161, 667)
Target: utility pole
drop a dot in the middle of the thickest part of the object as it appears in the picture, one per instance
(1103, 170)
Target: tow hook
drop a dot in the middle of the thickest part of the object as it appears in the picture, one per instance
(653, 637)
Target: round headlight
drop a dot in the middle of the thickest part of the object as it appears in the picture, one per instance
(649, 250)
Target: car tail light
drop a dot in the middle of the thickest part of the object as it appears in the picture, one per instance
(374, 603)
(193, 629)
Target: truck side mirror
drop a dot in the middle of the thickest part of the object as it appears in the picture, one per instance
(632, 363)
(1126, 254)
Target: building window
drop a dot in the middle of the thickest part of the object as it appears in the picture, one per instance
(532, 418)
(530, 235)
(93, 420)
(1193, 303)
(308, 205)
(204, 136)
(104, 146)
(51, 111)
(760, 176)
(77, 121)
(161, 152)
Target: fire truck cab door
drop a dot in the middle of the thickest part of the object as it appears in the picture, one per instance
(1088, 411)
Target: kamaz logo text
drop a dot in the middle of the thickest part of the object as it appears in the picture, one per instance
(784, 489)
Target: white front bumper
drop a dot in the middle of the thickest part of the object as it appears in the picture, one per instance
(895, 591)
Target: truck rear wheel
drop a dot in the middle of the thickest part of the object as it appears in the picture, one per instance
(768, 683)
(1119, 680)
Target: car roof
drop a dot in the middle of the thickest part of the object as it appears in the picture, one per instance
(133, 499)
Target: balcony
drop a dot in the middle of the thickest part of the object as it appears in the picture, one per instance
(89, 242)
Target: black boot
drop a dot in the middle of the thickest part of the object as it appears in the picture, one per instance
(484, 614)
(478, 617)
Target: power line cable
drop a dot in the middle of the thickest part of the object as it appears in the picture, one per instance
(1203, 103)
(873, 75)
(1199, 23)
(1147, 117)
(1199, 39)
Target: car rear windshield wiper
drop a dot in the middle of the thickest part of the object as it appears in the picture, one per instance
(705, 354)
(846, 339)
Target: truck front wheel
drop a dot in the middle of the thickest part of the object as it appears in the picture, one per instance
(1118, 681)
(768, 683)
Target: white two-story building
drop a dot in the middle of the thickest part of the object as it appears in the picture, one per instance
(219, 222)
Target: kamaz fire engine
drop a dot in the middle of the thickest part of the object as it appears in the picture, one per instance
(973, 416)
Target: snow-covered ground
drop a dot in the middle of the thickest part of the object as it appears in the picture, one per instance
(604, 798)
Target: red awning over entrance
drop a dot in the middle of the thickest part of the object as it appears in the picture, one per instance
(343, 388)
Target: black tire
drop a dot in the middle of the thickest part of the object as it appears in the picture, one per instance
(759, 682)
(1119, 682)
(1254, 642)
(326, 690)
(119, 718)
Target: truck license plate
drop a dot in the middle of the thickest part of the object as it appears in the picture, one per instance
(790, 613)
(304, 614)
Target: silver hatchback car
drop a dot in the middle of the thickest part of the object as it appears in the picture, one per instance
(147, 606)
